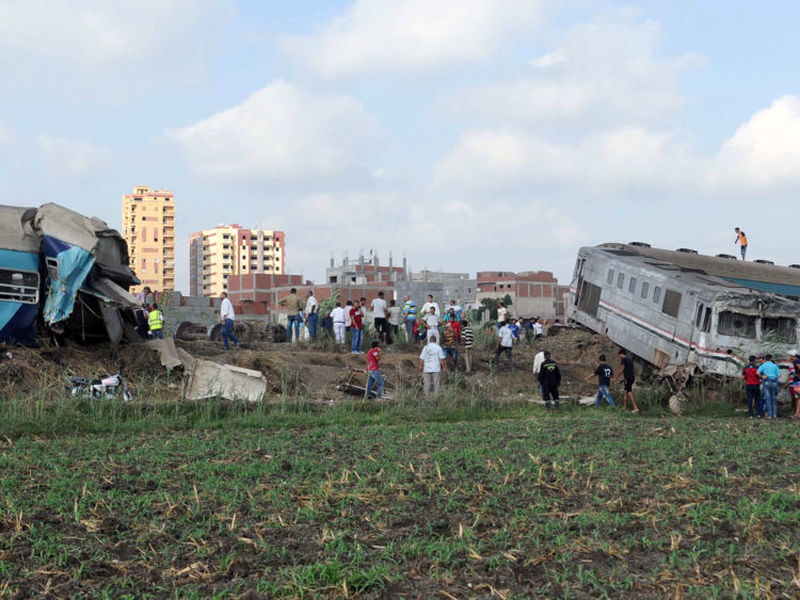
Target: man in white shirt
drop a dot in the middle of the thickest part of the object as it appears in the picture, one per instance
(337, 314)
(379, 314)
(431, 363)
(394, 319)
(505, 341)
(227, 318)
(502, 314)
(431, 319)
(311, 314)
(426, 308)
(538, 359)
(538, 330)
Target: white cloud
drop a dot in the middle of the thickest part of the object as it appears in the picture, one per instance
(67, 158)
(281, 132)
(102, 45)
(764, 151)
(412, 35)
(603, 75)
(503, 160)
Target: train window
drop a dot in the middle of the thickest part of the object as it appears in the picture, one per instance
(731, 323)
(645, 289)
(19, 286)
(590, 298)
(610, 278)
(707, 320)
(632, 285)
(656, 294)
(781, 329)
(699, 317)
(620, 280)
(672, 303)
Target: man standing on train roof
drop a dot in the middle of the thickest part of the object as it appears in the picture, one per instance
(629, 375)
(741, 239)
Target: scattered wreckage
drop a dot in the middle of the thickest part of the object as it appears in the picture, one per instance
(66, 272)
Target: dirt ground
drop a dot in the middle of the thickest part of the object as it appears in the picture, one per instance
(300, 368)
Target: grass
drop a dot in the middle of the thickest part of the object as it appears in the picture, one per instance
(458, 497)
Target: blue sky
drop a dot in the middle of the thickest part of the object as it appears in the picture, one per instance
(465, 134)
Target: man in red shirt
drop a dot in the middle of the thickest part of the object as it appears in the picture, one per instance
(356, 327)
(373, 370)
(752, 384)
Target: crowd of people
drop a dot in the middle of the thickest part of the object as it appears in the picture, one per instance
(761, 377)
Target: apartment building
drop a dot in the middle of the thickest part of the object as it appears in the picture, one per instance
(148, 225)
(216, 254)
(532, 293)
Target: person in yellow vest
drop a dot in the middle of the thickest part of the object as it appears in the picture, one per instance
(155, 322)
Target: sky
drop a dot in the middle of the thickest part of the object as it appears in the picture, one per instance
(465, 135)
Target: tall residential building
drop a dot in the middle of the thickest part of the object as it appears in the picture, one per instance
(148, 225)
(216, 253)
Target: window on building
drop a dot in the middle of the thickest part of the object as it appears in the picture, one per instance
(645, 289)
(632, 285)
(155, 266)
(144, 234)
(656, 294)
(672, 303)
(144, 265)
(620, 280)
(155, 234)
(610, 278)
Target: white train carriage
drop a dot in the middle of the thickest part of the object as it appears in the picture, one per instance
(668, 314)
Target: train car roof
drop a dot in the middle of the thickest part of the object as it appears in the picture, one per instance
(717, 266)
(728, 293)
(16, 229)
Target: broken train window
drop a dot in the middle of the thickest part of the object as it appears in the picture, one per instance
(783, 329)
(19, 286)
(736, 324)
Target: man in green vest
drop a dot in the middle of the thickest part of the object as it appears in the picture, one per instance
(155, 321)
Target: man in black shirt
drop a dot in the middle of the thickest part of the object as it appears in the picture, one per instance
(604, 373)
(549, 378)
(629, 376)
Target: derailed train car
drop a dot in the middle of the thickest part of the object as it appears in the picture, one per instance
(66, 272)
(671, 314)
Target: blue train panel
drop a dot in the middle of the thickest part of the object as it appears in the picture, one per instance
(19, 296)
(67, 269)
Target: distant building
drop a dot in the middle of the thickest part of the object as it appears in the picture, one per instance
(148, 225)
(533, 294)
(361, 271)
(216, 254)
(442, 285)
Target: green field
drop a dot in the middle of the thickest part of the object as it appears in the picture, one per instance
(291, 504)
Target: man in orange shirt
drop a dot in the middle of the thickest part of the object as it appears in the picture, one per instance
(741, 239)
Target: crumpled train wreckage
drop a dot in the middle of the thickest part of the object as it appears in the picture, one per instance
(66, 272)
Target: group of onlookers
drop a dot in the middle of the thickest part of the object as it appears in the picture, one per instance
(761, 377)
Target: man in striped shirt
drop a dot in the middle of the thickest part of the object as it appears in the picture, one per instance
(467, 338)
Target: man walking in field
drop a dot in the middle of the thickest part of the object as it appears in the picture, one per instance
(604, 373)
(394, 321)
(357, 327)
(549, 379)
(374, 370)
(741, 239)
(629, 375)
(505, 342)
(450, 344)
(228, 318)
(431, 363)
